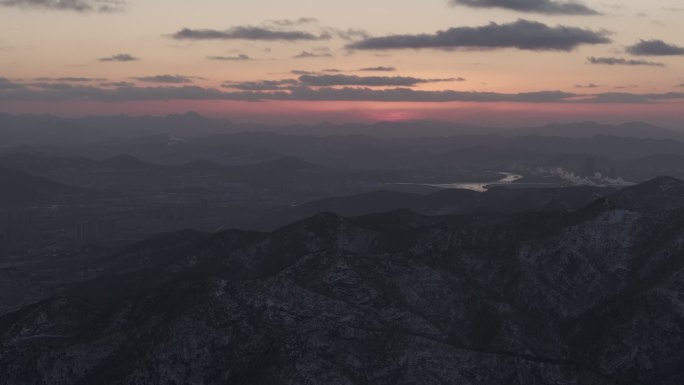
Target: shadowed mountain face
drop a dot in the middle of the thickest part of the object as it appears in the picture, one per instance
(123, 173)
(19, 187)
(590, 296)
(445, 202)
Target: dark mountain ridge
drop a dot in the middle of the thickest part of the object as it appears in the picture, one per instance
(502, 200)
(588, 296)
(19, 187)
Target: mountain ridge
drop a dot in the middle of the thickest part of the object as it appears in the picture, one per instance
(521, 298)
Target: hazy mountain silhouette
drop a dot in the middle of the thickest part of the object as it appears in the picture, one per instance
(46, 129)
(42, 163)
(450, 201)
(19, 187)
(589, 129)
(124, 161)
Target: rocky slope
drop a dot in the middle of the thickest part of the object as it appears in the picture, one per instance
(591, 296)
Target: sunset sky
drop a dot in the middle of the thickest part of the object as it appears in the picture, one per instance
(505, 62)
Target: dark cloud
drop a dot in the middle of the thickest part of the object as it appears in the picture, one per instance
(655, 48)
(550, 7)
(331, 78)
(324, 71)
(295, 22)
(369, 81)
(681, 85)
(622, 97)
(246, 33)
(620, 61)
(54, 86)
(588, 85)
(70, 92)
(407, 94)
(522, 34)
(64, 92)
(58, 92)
(118, 84)
(68, 79)
(241, 57)
(378, 69)
(170, 79)
(263, 85)
(121, 57)
(69, 5)
(6, 84)
(309, 55)
(348, 34)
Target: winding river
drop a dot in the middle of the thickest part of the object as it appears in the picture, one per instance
(508, 178)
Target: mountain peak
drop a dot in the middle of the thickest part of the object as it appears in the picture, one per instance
(187, 115)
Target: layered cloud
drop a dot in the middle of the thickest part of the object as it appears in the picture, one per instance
(622, 61)
(170, 79)
(69, 5)
(64, 92)
(247, 33)
(293, 22)
(550, 7)
(623, 97)
(312, 55)
(378, 69)
(8, 85)
(241, 57)
(120, 57)
(522, 34)
(68, 79)
(368, 81)
(58, 92)
(263, 85)
(333, 78)
(655, 48)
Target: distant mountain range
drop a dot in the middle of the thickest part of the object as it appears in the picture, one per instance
(590, 129)
(51, 130)
(586, 296)
(42, 162)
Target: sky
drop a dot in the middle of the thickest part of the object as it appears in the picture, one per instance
(488, 62)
